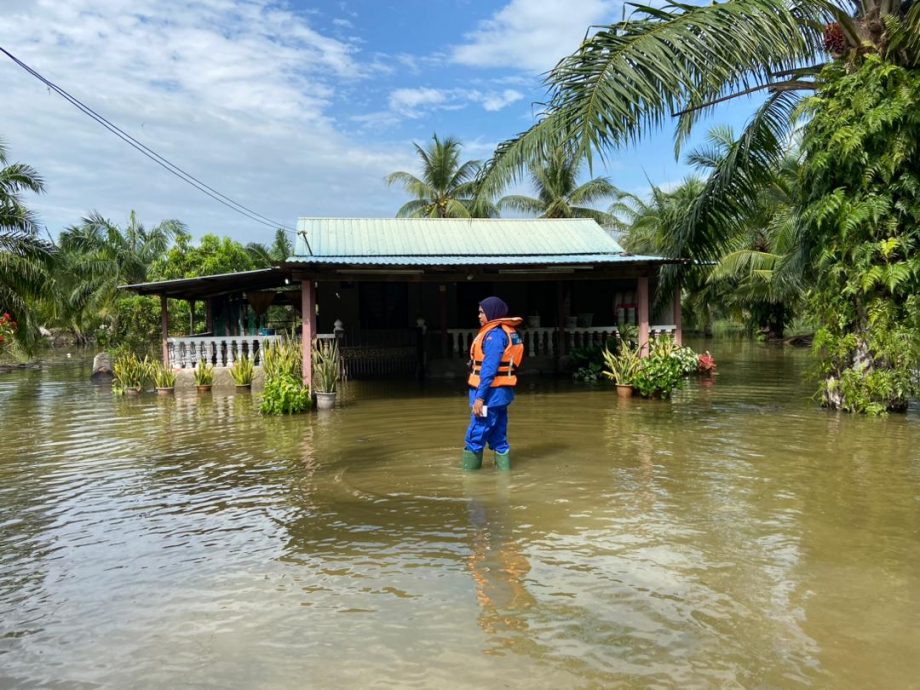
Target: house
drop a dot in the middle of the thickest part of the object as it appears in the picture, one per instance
(401, 294)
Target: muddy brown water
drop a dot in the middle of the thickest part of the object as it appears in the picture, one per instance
(736, 536)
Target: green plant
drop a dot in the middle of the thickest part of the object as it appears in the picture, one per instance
(163, 377)
(629, 334)
(284, 392)
(623, 366)
(284, 395)
(131, 373)
(587, 363)
(326, 365)
(660, 372)
(689, 360)
(242, 370)
(204, 373)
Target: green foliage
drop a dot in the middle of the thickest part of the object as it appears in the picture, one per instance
(284, 392)
(446, 189)
(242, 370)
(662, 371)
(587, 363)
(131, 373)
(163, 377)
(558, 193)
(213, 255)
(134, 323)
(284, 395)
(688, 359)
(204, 374)
(862, 216)
(623, 366)
(326, 365)
(25, 259)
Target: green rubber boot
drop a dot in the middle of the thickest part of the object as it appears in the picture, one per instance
(503, 460)
(471, 460)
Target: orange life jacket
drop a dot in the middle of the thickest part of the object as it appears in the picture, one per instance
(511, 357)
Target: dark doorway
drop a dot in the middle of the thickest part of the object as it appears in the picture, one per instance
(383, 305)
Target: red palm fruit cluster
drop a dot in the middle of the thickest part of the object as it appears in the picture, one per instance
(835, 41)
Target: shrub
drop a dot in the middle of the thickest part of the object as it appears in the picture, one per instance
(284, 392)
(131, 373)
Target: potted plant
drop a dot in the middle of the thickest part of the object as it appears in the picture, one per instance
(622, 368)
(242, 370)
(661, 372)
(325, 372)
(164, 378)
(707, 364)
(130, 374)
(204, 376)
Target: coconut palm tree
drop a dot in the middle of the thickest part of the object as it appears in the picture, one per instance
(446, 189)
(680, 60)
(558, 193)
(280, 250)
(23, 255)
(97, 256)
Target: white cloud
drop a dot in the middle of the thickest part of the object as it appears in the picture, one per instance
(237, 92)
(532, 35)
(496, 101)
(416, 103)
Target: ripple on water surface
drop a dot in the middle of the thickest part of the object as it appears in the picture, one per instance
(733, 536)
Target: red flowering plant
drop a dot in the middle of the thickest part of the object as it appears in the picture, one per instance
(706, 363)
(7, 328)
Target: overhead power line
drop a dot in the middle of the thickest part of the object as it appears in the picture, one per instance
(150, 153)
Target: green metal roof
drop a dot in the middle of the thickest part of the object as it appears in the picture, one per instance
(454, 238)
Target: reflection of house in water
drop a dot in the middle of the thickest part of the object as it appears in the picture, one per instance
(401, 294)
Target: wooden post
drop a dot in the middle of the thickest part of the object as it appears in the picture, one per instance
(308, 312)
(164, 328)
(442, 313)
(209, 317)
(191, 317)
(678, 335)
(642, 308)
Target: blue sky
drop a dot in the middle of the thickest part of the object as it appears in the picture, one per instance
(290, 108)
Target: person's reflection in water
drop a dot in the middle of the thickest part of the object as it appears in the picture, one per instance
(499, 569)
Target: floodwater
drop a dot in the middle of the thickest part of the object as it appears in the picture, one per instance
(736, 536)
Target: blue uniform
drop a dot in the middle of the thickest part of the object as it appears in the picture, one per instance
(493, 428)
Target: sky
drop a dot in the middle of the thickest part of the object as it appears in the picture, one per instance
(291, 108)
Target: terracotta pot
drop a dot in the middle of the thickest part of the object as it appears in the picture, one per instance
(240, 387)
(325, 401)
(165, 391)
(624, 391)
(204, 388)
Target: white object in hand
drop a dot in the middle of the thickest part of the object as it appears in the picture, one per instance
(485, 411)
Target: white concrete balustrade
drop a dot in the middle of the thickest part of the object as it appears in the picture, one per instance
(542, 341)
(223, 351)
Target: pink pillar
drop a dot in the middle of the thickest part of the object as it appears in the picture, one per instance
(678, 336)
(308, 312)
(164, 328)
(642, 316)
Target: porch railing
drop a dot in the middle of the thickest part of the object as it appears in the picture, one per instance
(542, 341)
(223, 351)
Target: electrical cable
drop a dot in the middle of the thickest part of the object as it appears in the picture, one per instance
(150, 153)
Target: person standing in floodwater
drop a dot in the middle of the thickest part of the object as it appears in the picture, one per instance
(495, 356)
